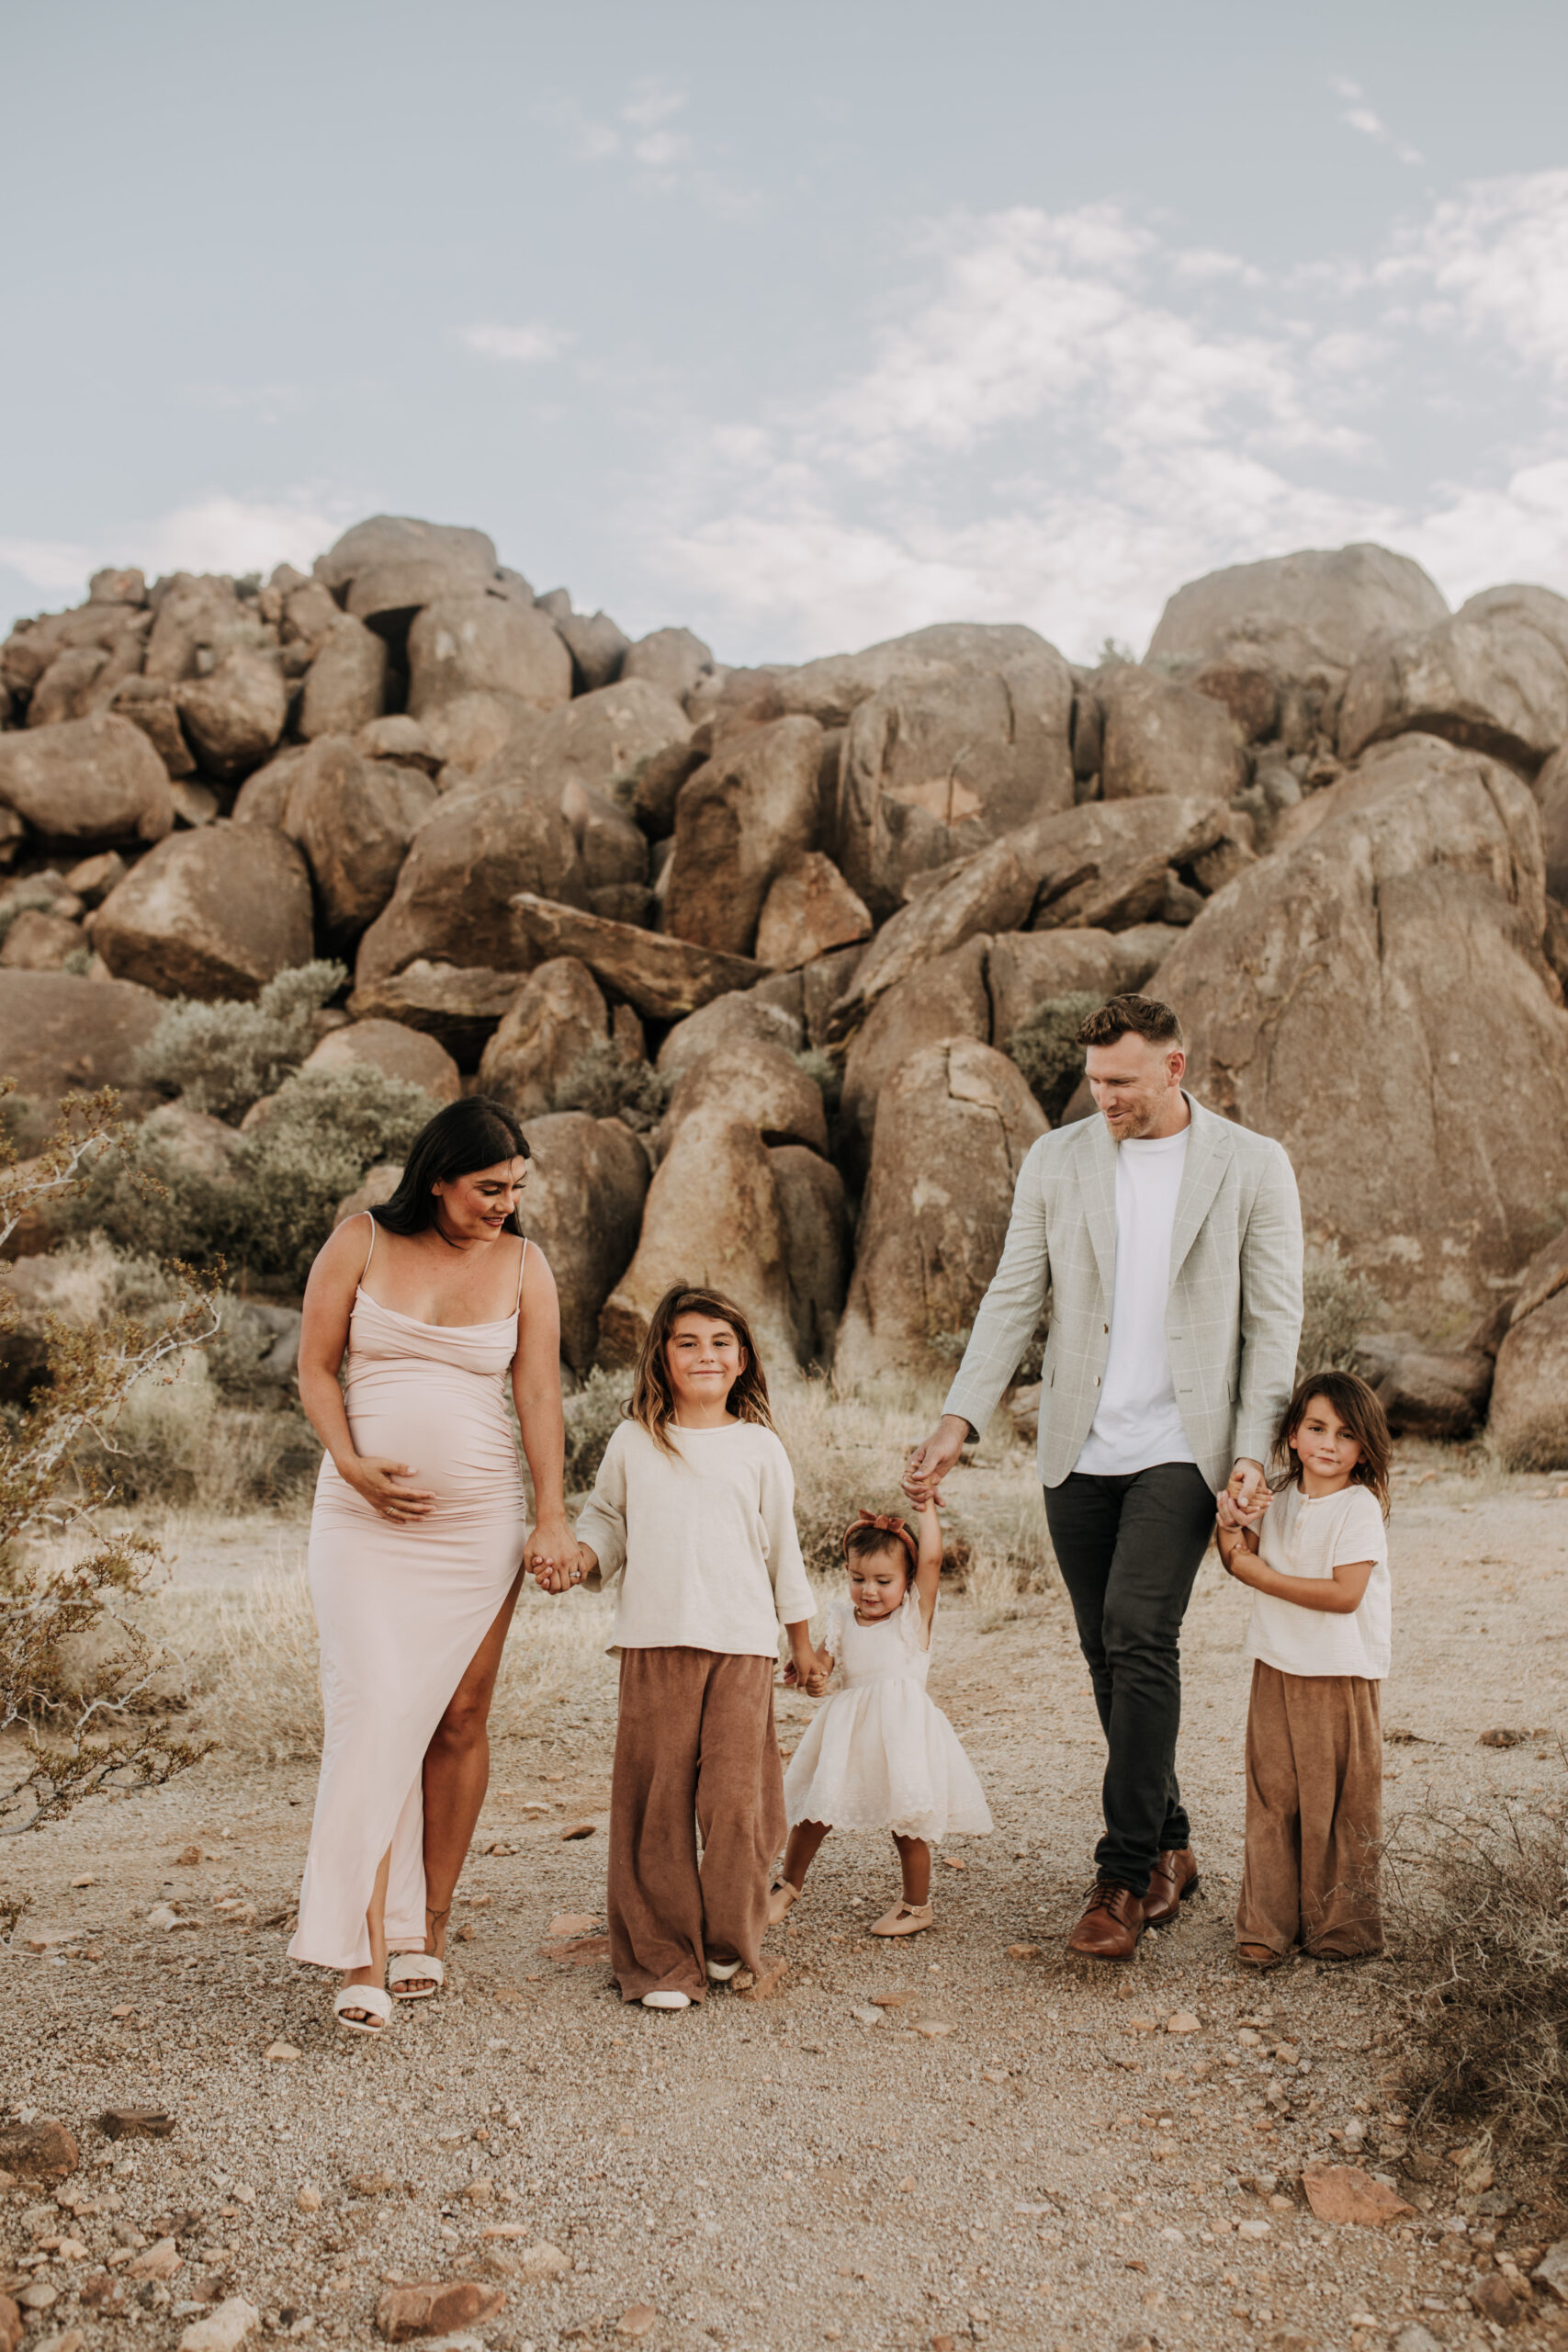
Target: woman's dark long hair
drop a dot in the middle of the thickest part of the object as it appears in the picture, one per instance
(462, 1137)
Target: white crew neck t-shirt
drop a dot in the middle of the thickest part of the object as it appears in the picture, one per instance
(1311, 1535)
(1137, 1423)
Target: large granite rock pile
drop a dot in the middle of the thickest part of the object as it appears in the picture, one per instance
(751, 950)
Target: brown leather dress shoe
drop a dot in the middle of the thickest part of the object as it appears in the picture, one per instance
(1111, 1926)
(1172, 1880)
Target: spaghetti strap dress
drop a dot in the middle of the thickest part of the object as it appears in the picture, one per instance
(401, 1610)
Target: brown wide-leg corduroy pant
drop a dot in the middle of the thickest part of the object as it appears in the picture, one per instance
(1313, 1814)
(695, 1750)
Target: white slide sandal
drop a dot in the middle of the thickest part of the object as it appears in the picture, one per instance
(421, 1969)
(368, 1997)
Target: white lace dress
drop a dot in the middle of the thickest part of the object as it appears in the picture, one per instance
(880, 1754)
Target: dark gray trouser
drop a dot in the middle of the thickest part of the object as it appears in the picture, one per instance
(1128, 1549)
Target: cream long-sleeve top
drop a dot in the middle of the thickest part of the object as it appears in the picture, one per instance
(703, 1543)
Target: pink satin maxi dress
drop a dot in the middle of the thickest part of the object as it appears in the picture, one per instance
(401, 1610)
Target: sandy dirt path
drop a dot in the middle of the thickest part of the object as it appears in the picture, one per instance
(1016, 2150)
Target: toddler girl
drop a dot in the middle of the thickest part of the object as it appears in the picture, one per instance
(1319, 1641)
(880, 1755)
(694, 1510)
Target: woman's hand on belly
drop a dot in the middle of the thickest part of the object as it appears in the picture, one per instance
(380, 1482)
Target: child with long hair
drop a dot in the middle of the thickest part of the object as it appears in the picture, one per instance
(882, 1755)
(1319, 1641)
(692, 1512)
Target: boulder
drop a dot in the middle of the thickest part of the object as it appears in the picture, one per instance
(670, 658)
(953, 1126)
(345, 687)
(583, 1203)
(233, 718)
(198, 619)
(93, 878)
(84, 678)
(1408, 929)
(597, 647)
(1552, 796)
(1493, 678)
(555, 1017)
(262, 798)
(485, 644)
(808, 911)
(191, 1140)
(1248, 691)
(713, 1216)
(656, 791)
(377, 1185)
(1425, 1392)
(459, 1004)
(354, 819)
(397, 737)
(64, 1035)
(817, 1247)
(310, 613)
(1106, 866)
(664, 978)
(938, 764)
(1026, 968)
(1162, 737)
(40, 942)
(400, 539)
(210, 914)
(945, 998)
(149, 703)
(740, 820)
(755, 1081)
(114, 584)
(602, 741)
(435, 2307)
(740, 1016)
(831, 689)
(455, 889)
(465, 732)
(1528, 1424)
(91, 780)
(388, 1047)
(1316, 609)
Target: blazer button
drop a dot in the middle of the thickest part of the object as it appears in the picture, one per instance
(1097, 1380)
(1107, 1329)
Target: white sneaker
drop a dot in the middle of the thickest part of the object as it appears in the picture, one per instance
(721, 1971)
(666, 2000)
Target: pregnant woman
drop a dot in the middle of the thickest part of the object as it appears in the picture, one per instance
(428, 1305)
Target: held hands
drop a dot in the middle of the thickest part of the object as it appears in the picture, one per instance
(555, 1559)
(376, 1479)
(1246, 1497)
(925, 1466)
(810, 1673)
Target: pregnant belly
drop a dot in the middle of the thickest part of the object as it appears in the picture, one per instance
(457, 1442)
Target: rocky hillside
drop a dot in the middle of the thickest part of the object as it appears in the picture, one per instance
(779, 963)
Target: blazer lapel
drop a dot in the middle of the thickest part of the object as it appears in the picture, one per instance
(1208, 1157)
(1096, 1179)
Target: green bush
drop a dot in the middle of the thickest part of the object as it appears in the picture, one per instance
(270, 1216)
(1047, 1052)
(608, 1084)
(222, 1057)
(593, 1413)
(1337, 1306)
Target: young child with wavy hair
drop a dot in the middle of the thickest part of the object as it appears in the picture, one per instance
(693, 1513)
(881, 1755)
(1319, 1639)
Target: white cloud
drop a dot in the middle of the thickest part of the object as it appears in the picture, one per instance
(215, 533)
(1359, 116)
(1063, 419)
(525, 347)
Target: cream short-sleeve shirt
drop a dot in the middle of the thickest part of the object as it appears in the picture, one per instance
(1304, 1535)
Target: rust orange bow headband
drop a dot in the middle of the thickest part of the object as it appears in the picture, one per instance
(887, 1523)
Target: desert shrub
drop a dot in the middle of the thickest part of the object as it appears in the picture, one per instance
(826, 1075)
(272, 1213)
(1336, 1307)
(608, 1084)
(592, 1414)
(222, 1057)
(1485, 2039)
(1047, 1052)
(77, 1673)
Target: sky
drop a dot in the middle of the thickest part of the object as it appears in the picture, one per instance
(800, 326)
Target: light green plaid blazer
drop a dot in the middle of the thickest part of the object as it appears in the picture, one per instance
(1232, 1315)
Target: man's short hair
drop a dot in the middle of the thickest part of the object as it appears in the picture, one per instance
(1140, 1016)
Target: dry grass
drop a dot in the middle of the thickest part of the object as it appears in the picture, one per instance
(1486, 1908)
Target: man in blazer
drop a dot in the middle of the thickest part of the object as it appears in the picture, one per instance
(1171, 1242)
